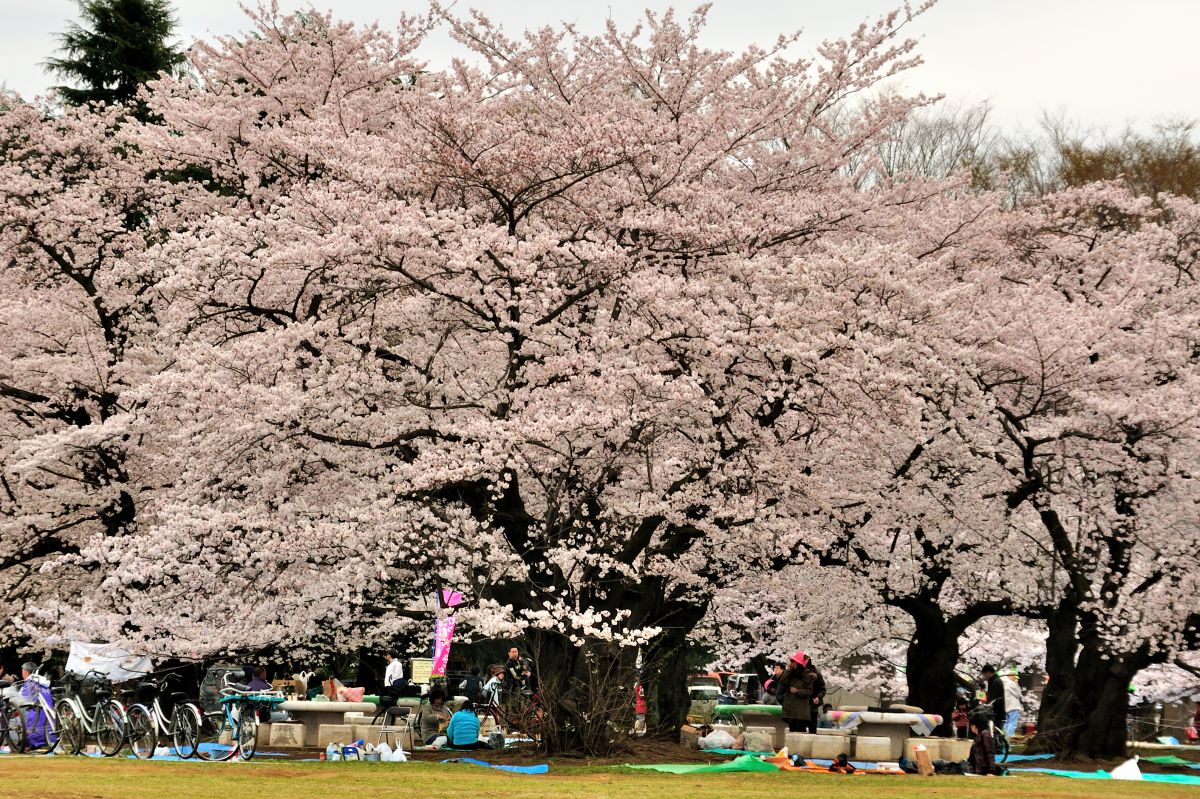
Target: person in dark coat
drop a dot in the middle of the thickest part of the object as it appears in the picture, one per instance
(797, 686)
(994, 687)
(818, 695)
(982, 759)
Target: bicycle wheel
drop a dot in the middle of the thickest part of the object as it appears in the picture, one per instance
(70, 730)
(185, 729)
(110, 728)
(47, 724)
(247, 730)
(1001, 747)
(217, 740)
(142, 731)
(14, 729)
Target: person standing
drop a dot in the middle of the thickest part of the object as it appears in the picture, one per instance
(1012, 703)
(472, 686)
(394, 673)
(818, 695)
(797, 684)
(514, 674)
(994, 694)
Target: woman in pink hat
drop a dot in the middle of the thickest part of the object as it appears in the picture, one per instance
(798, 682)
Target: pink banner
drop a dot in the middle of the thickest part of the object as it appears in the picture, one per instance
(443, 631)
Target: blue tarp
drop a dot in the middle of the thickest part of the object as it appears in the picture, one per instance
(541, 768)
(1177, 779)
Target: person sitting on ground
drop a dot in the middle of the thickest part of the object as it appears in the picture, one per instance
(822, 722)
(434, 717)
(463, 730)
(961, 720)
(982, 759)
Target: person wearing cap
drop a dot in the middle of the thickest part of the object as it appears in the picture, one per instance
(797, 685)
(1012, 702)
(994, 694)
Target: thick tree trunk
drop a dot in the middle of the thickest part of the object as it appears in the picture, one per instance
(1102, 731)
(586, 695)
(1085, 707)
(931, 659)
(667, 695)
(1056, 715)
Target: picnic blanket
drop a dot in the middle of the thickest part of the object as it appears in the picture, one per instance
(541, 768)
(743, 763)
(736, 752)
(919, 723)
(1177, 779)
(1168, 760)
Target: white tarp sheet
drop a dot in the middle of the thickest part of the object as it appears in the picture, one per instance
(108, 659)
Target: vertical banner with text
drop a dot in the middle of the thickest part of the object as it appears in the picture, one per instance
(443, 631)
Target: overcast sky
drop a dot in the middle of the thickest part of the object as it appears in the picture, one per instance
(1103, 62)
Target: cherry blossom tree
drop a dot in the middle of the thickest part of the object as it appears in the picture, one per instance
(76, 213)
(1088, 347)
(561, 327)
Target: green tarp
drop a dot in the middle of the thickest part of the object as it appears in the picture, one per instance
(1171, 760)
(729, 710)
(743, 763)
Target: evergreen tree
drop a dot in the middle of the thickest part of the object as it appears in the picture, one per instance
(116, 47)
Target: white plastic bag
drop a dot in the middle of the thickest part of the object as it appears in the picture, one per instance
(717, 740)
(1127, 771)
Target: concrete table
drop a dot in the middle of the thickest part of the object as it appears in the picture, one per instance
(896, 727)
(313, 714)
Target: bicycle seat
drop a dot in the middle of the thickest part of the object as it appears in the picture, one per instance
(237, 686)
(103, 693)
(179, 696)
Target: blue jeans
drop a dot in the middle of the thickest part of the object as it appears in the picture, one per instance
(1010, 723)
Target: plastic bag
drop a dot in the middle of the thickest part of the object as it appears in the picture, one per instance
(1127, 771)
(717, 740)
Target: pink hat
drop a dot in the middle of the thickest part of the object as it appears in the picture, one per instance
(800, 658)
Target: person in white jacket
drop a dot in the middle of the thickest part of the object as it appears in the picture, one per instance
(1012, 703)
(394, 671)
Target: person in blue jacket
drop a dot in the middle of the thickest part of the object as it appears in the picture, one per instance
(463, 732)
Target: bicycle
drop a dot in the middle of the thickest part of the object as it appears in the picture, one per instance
(12, 715)
(234, 728)
(105, 719)
(147, 721)
(998, 737)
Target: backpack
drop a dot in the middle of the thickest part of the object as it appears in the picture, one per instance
(474, 689)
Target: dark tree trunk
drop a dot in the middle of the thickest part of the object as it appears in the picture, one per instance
(1102, 731)
(667, 695)
(1085, 707)
(1056, 713)
(931, 659)
(586, 695)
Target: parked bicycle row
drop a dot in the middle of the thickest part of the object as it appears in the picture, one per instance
(146, 717)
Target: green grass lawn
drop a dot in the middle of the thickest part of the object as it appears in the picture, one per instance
(63, 777)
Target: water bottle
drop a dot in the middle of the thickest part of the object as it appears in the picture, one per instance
(332, 753)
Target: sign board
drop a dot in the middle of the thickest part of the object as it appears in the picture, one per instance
(422, 670)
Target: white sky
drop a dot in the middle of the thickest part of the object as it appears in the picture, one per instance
(1102, 62)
